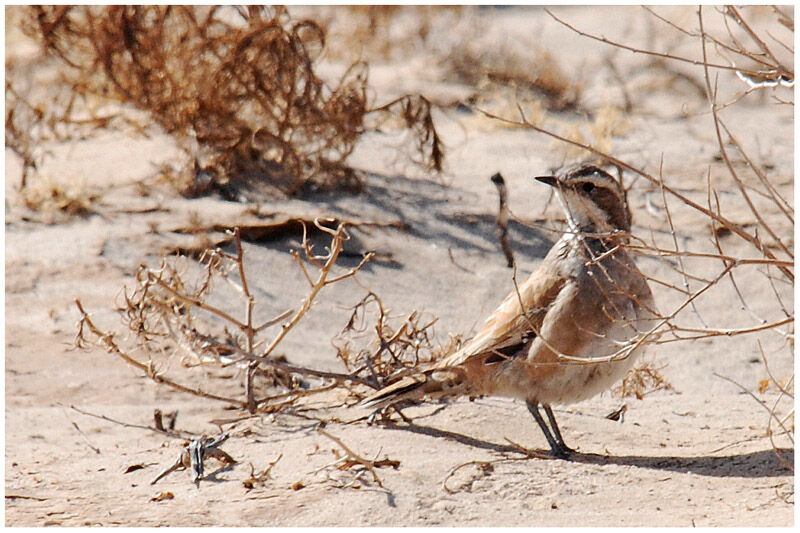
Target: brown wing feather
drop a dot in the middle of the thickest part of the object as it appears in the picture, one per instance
(505, 328)
(433, 382)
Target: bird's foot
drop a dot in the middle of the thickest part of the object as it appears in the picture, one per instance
(562, 451)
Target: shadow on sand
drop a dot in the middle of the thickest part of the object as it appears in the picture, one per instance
(746, 465)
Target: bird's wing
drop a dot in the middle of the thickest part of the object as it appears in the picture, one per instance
(508, 329)
(503, 336)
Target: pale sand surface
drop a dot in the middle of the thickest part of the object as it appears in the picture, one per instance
(694, 455)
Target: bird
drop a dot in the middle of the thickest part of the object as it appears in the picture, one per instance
(569, 332)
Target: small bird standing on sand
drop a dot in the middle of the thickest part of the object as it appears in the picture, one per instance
(570, 331)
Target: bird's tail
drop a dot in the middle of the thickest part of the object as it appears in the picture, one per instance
(434, 383)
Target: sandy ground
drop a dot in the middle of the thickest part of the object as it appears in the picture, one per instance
(693, 455)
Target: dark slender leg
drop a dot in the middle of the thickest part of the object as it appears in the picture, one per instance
(556, 432)
(557, 447)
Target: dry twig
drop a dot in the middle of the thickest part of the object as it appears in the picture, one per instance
(502, 219)
(162, 311)
(351, 459)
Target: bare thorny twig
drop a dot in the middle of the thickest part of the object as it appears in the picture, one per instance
(164, 313)
(352, 459)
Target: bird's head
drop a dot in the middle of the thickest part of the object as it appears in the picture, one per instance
(594, 201)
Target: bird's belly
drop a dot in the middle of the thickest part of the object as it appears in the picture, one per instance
(576, 382)
(573, 381)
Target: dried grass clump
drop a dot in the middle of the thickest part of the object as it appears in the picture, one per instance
(383, 32)
(532, 69)
(237, 87)
(641, 381)
(505, 101)
(391, 32)
(49, 196)
(603, 127)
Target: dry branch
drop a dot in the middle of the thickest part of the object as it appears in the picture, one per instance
(502, 218)
(394, 347)
(776, 74)
(351, 459)
(165, 313)
(107, 339)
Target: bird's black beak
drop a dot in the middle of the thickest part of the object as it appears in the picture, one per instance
(548, 180)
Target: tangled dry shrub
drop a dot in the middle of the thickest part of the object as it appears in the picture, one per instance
(393, 347)
(237, 86)
(179, 329)
(179, 334)
(641, 381)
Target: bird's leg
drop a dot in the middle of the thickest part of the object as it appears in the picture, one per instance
(556, 432)
(557, 447)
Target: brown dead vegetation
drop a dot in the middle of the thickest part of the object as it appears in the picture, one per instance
(641, 381)
(176, 330)
(237, 87)
(380, 32)
(533, 70)
(172, 320)
(58, 200)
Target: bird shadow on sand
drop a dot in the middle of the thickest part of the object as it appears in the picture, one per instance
(764, 463)
(757, 464)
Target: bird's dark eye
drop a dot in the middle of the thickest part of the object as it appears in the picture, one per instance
(588, 186)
